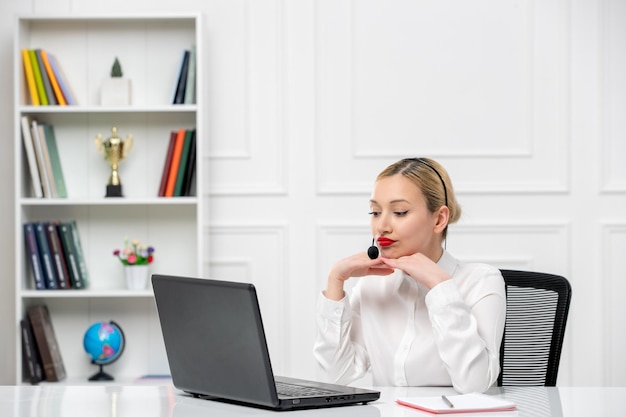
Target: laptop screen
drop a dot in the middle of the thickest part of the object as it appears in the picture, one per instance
(214, 338)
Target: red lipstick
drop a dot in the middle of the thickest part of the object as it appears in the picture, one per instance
(384, 241)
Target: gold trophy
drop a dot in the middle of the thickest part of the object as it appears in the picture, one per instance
(114, 150)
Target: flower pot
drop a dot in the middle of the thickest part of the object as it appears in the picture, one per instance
(136, 277)
(115, 92)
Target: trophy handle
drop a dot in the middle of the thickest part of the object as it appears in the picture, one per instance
(100, 144)
(128, 145)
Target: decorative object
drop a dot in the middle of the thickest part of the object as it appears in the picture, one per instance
(116, 89)
(114, 150)
(135, 259)
(136, 277)
(133, 253)
(104, 342)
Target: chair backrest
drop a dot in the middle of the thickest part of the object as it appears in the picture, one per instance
(537, 305)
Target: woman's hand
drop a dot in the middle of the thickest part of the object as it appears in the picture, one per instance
(358, 265)
(419, 267)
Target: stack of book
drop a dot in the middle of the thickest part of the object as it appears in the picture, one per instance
(47, 84)
(55, 255)
(41, 355)
(177, 178)
(43, 158)
(185, 85)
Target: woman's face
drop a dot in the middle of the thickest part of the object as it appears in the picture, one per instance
(401, 222)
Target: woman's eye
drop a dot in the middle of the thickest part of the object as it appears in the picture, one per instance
(374, 213)
(400, 213)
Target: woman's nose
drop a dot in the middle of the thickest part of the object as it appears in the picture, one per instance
(381, 225)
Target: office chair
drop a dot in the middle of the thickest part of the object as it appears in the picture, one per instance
(537, 305)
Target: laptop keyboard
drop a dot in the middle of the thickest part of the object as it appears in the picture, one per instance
(291, 390)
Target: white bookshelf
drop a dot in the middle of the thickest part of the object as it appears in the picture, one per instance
(149, 48)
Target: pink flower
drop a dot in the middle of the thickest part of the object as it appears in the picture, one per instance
(134, 254)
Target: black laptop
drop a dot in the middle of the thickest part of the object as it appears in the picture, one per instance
(216, 348)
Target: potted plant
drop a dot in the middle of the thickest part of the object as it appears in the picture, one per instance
(135, 258)
(116, 89)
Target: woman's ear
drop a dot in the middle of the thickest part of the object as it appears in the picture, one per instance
(441, 219)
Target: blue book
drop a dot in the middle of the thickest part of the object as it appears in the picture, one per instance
(34, 258)
(179, 95)
(49, 273)
(190, 88)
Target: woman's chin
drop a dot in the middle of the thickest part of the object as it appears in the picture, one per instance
(389, 253)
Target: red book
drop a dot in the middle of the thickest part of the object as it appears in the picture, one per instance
(178, 150)
(58, 256)
(167, 164)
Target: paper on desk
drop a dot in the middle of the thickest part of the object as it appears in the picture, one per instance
(466, 403)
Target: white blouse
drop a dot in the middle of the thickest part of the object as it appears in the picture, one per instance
(408, 335)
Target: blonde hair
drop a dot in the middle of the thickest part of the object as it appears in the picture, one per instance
(434, 182)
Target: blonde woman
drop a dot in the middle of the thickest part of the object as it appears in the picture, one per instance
(417, 316)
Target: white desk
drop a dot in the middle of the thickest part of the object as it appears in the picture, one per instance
(52, 400)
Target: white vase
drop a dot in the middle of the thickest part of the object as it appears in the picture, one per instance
(136, 277)
(115, 92)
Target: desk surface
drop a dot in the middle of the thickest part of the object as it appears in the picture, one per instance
(54, 400)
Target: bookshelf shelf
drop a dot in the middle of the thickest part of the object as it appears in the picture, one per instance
(182, 108)
(156, 201)
(149, 47)
(121, 293)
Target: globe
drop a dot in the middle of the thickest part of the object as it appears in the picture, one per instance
(104, 343)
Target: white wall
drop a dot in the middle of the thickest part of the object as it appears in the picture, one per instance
(524, 102)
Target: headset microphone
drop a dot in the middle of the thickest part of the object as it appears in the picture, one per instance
(372, 251)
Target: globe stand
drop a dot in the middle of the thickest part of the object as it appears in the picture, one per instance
(101, 375)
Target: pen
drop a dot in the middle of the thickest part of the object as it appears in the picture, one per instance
(447, 401)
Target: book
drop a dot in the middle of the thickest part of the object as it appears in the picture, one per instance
(167, 164)
(190, 87)
(191, 168)
(47, 263)
(178, 150)
(179, 97)
(41, 163)
(41, 322)
(464, 403)
(71, 255)
(46, 80)
(41, 91)
(58, 256)
(55, 161)
(30, 354)
(34, 257)
(31, 157)
(41, 136)
(53, 80)
(30, 78)
(82, 264)
(182, 166)
(66, 90)
(192, 184)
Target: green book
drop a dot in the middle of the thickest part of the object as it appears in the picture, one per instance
(41, 90)
(71, 256)
(47, 85)
(182, 167)
(82, 264)
(55, 161)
